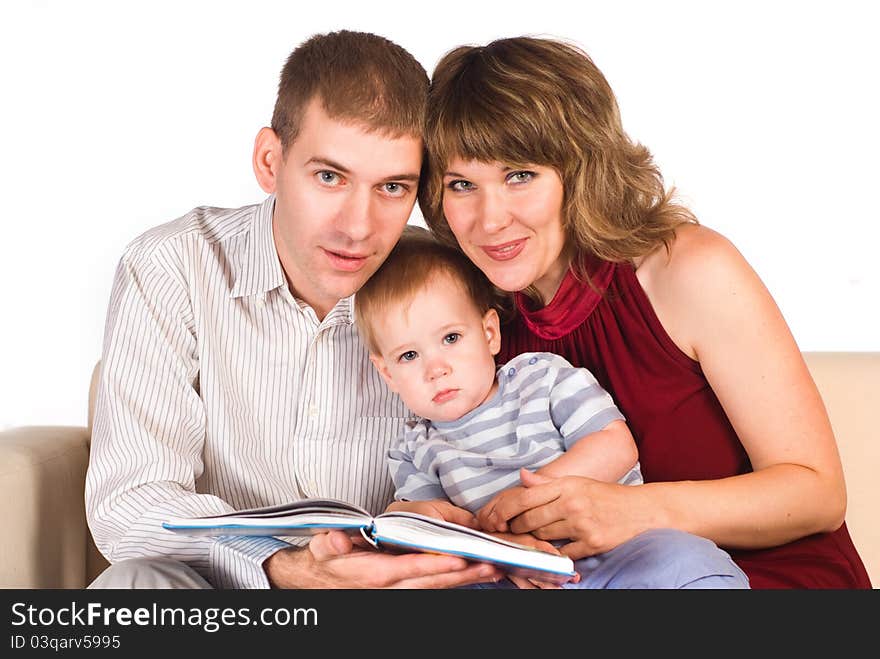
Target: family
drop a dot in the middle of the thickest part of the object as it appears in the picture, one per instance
(566, 357)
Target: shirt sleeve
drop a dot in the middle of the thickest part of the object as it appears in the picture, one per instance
(412, 481)
(578, 403)
(149, 430)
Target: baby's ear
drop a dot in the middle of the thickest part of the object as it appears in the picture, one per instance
(379, 363)
(492, 329)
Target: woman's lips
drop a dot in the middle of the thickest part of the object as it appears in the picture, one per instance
(445, 395)
(345, 261)
(505, 251)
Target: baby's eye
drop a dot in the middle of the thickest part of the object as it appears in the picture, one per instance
(408, 356)
(451, 338)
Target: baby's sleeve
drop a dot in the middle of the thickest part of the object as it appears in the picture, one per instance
(412, 480)
(579, 405)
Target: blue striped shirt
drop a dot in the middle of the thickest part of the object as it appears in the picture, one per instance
(543, 405)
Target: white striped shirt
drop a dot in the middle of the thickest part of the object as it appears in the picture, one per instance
(221, 391)
(543, 405)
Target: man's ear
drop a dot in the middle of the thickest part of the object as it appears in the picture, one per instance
(379, 363)
(492, 329)
(267, 158)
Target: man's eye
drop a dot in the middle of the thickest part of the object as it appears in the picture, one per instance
(408, 356)
(460, 186)
(394, 189)
(451, 338)
(329, 178)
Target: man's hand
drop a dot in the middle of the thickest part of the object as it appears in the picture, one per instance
(438, 508)
(332, 561)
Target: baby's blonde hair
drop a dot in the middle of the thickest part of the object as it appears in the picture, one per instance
(413, 263)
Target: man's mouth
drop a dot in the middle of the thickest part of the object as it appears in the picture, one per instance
(347, 261)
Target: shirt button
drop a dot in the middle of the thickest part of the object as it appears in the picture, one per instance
(313, 411)
(313, 487)
(511, 372)
(533, 360)
(261, 300)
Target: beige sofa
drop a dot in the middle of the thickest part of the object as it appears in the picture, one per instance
(46, 543)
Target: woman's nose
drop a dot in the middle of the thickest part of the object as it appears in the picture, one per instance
(494, 213)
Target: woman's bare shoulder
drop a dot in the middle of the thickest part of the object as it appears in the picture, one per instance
(694, 281)
(697, 257)
(696, 251)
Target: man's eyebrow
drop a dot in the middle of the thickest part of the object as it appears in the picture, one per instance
(332, 164)
(403, 177)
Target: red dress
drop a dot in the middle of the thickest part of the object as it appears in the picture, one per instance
(680, 428)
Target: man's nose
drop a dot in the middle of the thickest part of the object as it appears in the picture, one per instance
(355, 217)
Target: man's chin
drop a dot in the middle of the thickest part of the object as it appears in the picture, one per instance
(349, 283)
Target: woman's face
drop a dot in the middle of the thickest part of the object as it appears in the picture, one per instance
(509, 222)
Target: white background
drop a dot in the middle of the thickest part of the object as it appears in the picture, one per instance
(115, 117)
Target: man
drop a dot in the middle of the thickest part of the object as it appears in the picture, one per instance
(233, 375)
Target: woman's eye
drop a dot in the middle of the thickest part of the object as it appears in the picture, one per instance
(520, 177)
(451, 338)
(460, 186)
(329, 178)
(408, 356)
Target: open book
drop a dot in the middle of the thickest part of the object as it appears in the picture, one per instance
(395, 531)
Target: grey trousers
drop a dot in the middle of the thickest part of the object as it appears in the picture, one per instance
(150, 573)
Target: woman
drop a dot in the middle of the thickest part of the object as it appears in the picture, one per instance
(531, 174)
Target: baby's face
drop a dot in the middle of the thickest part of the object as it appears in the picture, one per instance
(437, 350)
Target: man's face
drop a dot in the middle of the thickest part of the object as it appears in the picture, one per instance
(342, 198)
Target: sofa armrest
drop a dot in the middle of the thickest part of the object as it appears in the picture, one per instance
(42, 481)
(848, 384)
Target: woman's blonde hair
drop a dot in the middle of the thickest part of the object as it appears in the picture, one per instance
(535, 101)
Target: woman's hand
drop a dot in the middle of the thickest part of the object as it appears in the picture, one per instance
(594, 516)
(488, 519)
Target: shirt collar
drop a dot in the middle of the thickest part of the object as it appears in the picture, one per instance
(254, 259)
(256, 268)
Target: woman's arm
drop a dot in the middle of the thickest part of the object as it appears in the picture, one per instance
(716, 309)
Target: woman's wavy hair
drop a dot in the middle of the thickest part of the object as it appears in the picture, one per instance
(537, 101)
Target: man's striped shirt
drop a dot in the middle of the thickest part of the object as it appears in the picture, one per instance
(221, 391)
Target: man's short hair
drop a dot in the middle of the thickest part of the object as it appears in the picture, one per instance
(415, 261)
(358, 76)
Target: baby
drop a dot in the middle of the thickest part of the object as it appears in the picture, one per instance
(426, 317)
